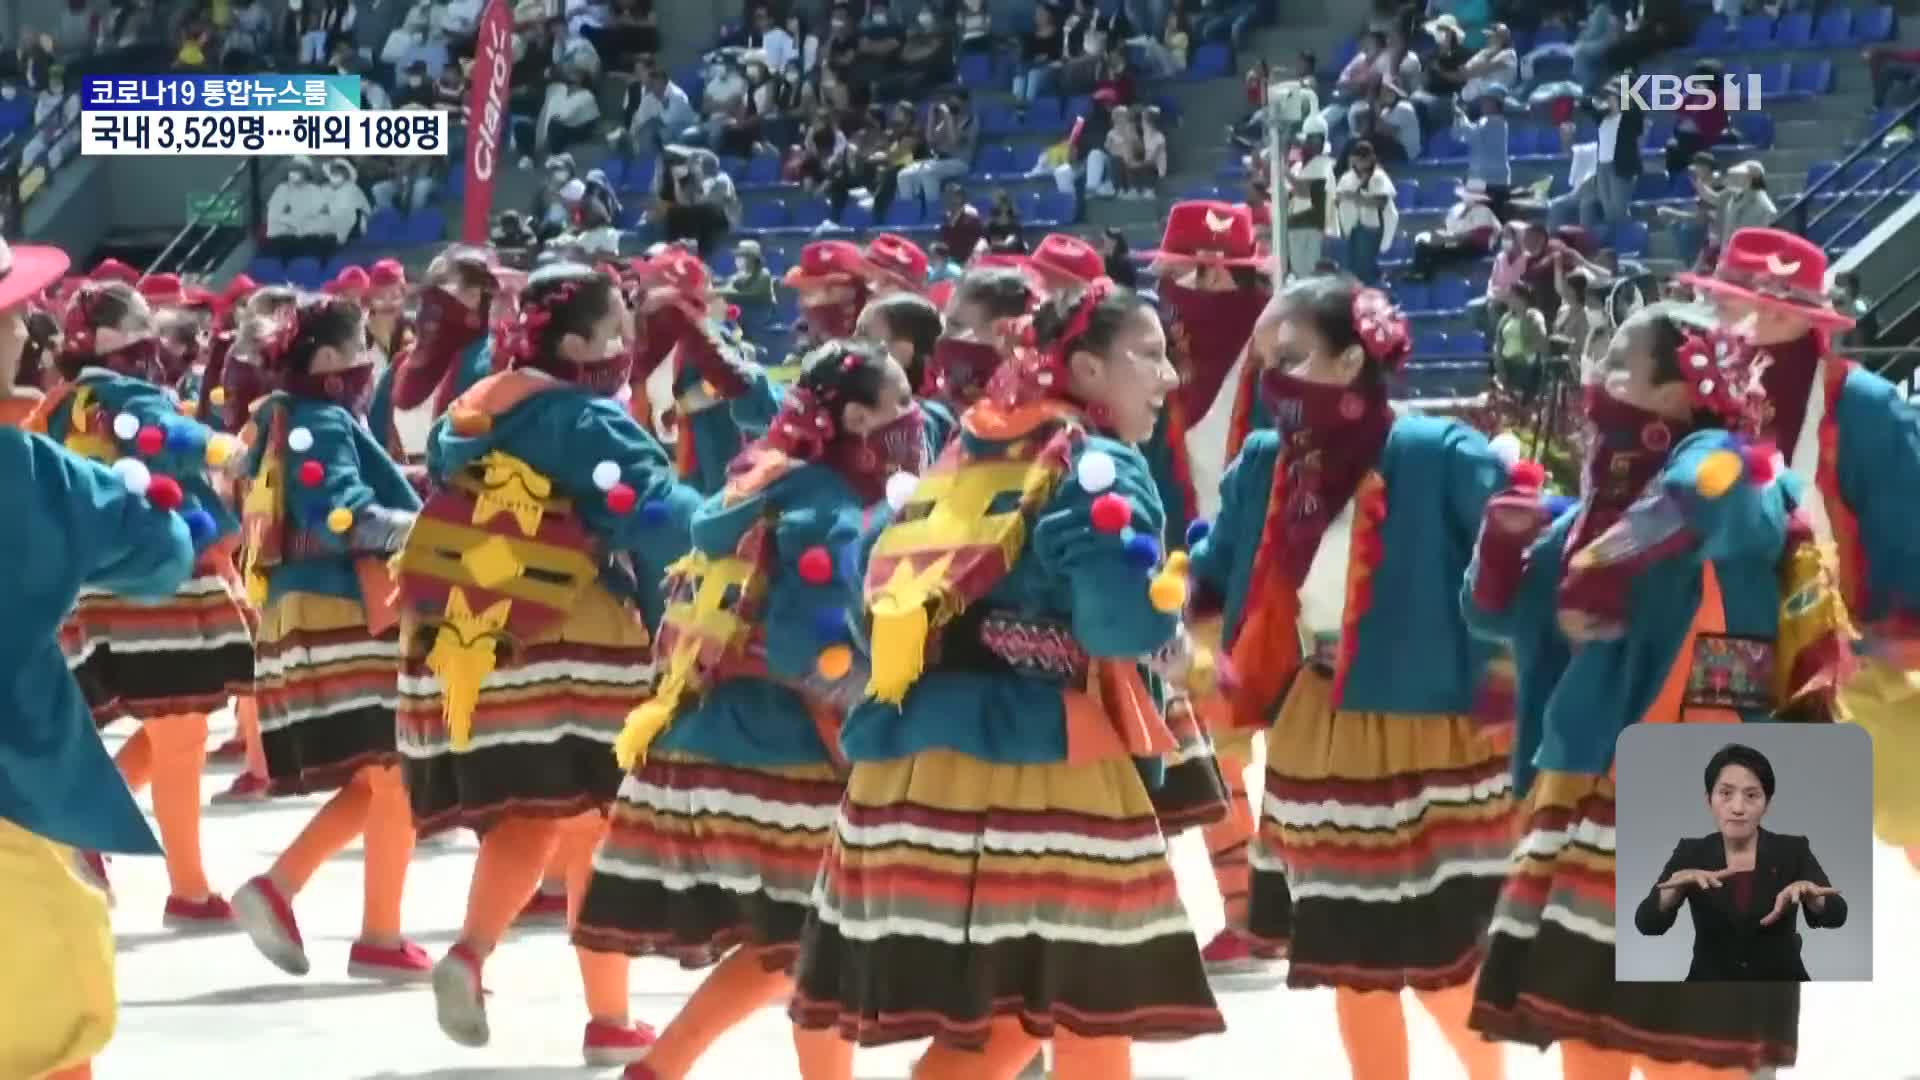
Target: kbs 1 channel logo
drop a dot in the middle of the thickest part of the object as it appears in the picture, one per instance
(1672, 93)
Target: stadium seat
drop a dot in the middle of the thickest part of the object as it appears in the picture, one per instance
(1213, 60)
(904, 214)
(1413, 297)
(306, 272)
(1756, 129)
(1714, 35)
(1428, 344)
(1773, 81)
(999, 121)
(997, 159)
(1650, 187)
(764, 214)
(386, 222)
(1450, 295)
(1045, 114)
(428, 226)
(1809, 78)
(1551, 34)
(1436, 196)
(1834, 28)
(1406, 194)
(1795, 31)
(1907, 176)
(806, 213)
(976, 71)
(857, 216)
(267, 270)
(1873, 25)
(1819, 171)
(1756, 32)
(1861, 174)
(763, 169)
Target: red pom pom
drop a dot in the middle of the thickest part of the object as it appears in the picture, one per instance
(164, 492)
(733, 312)
(1111, 512)
(620, 498)
(816, 566)
(311, 473)
(1759, 461)
(151, 440)
(1528, 475)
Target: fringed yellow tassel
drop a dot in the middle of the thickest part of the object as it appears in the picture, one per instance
(1813, 617)
(256, 589)
(647, 721)
(900, 629)
(463, 655)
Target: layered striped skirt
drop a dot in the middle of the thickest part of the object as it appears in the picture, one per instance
(326, 689)
(1548, 972)
(1191, 791)
(958, 891)
(540, 742)
(143, 659)
(1383, 842)
(701, 856)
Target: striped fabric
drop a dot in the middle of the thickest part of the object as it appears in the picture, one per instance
(1192, 792)
(700, 856)
(1389, 836)
(959, 890)
(147, 660)
(326, 692)
(1548, 973)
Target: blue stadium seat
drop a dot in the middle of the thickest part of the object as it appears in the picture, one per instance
(1554, 67)
(1202, 193)
(387, 222)
(1820, 170)
(1630, 239)
(1873, 25)
(1428, 344)
(1773, 80)
(721, 263)
(306, 272)
(1808, 78)
(976, 71)
(998, 121)
(1907, 178)
(1047, 113)
(997, 159)
(335, 266)
(857, 216)
(1651, 187)
(806, 213)
(1412, 296)
(1756, 129)
(1834, 28)
(764, 214)
(1445, 147)
(1406, 194)
(1438, 196)
(1551, 34)
(1213, 60)
(267, 270)
(1714, 34)
(1795, 31)
(763, 169)
(1858, 173)
(1079, 106)
(904, 214)
(1756, 32)
(1450, 295)
(428, 226)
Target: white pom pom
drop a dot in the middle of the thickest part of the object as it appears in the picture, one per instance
(1096, 471)
(126, 426)
(134, 474)
(900, 488)
(299, 440)
(606, 475)
(1506, 447)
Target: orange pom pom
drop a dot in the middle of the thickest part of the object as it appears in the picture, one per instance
(834, 662)
(469, 422)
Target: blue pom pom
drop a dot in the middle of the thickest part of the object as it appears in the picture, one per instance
(201, 525)
(1559, 504)
(1143, 551)
(186, 438)
(1197, 531)
(830, 625)
(653, 512)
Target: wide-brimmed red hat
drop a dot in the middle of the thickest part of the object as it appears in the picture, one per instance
(895, 260)
(1068, 259)
(678, 269)
(115, 270)
(352, 282)
(199, 296)
(825, 262)
(387, 273)
(27, 270)
(160, 290)
(1207, 232)
(1773, 269)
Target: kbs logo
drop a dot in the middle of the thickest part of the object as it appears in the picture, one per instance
(1669, 93)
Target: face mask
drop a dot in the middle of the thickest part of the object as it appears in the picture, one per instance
(899, 445)
(417, 80)
(139, 360)
(832, 319)
(681, 172)
(9, 92)
(958, 370)
(339, 180)
(610, 376)
(350, 388)
(175, 362)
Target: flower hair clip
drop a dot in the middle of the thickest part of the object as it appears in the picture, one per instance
(804, 425)
(1382, 329)
(521, 337)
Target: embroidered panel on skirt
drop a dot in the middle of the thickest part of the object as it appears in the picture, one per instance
(543, 726)
(958, 891)
(187, 654)
(1731, 673)
(326, 689)
(701, 856)
(1382, 844)
(1548, 972)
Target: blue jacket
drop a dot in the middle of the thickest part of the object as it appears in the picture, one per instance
(69, 522)
(1879, 472)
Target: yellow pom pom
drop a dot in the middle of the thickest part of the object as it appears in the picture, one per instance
(1718, 473)
(1177, 563)
(220, 449)
(218, 395)
(1168, 592)
(834, 662)
(189, 408)
(340, 519)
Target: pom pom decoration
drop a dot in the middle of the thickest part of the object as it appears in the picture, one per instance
(164, 493)
(1111, 512)
(1506, 447)
(816, 566)
(126, 426)
(201, 525)
(605, 475)
(1760, 464)
(217, 395)
(339, 520)
(312, 473)
(829, 625)
(1178, 563)
(1197, 531)
(186, 438)
(1096, 471)
(1527, 475)
(220, 450)
(299, 440)
(621, 498)
(134, 474)
(1559, 504)
(150, 441)
(1718, 473)
(1142, 551)
(900, 488)
(834, 662)
(655, 513)
(1168, 592)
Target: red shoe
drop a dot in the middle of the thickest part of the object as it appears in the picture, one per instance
(639, 1070)
(246, 788)
(614, 1044)
(1233, 953)
(459, 1002)
(402, 963)
(210, 916)
(545, 909)
(233, 749)
(266, 914)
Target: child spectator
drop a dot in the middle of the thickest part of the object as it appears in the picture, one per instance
(1128, 153)
(1154, 142)
(1520, 342)
(961, 226)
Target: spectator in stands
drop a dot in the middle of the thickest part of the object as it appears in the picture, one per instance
(876, 49)
(1153, 140)
(296, 215)
(660, 113)
(961, 226)
(790, 43)
(1390, 124)
(548, 211)
(1309, 184)
(1445, 71)
(373, 22)
(195, 37)
(1693, 223)
(1509, 266)
(940, 264)
(697, 200)
(571, 113)
(1466, 233)
(1118, 257)
(1895, 73)
(568, 51)
(1847, 300)
(629, 32)
(1291, 96)
(1587, 51)
(1489, 160)
(133, 22)
(1702, 122)
(408, 44)
(1126, 152)
(1662, 25)
(415, 88)
(248, 42)
(1092, 143)
(953, 134)
(1003, 230)
(926, 59)
(399, 183)
(1520, 342)
(450, 92)
(1617, 164)
(1166, 55)
(750, 285)
(723, 102)
(1225, 20)
(1495, 64)
(871, 163)
(1042, 51)
(1116, 75)
(344, 205)
(73, 34)
(1474, 16)
(973, 24)
(1364, 213)
(1357, 81)
(1742, 202)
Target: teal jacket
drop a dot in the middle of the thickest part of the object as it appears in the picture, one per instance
(1067, 571)
(1571, 704)
(750, 721)
(184, 455)
(563, 433)
(69, 522)
(1415, 654)
(358, 474)
(1878, 468)
(754, 412)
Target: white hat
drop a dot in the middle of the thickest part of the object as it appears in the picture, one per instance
(573, 190)
(1314, 125)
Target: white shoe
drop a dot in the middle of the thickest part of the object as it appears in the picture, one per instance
(458, 1001)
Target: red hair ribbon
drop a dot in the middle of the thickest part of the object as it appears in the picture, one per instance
(804, 425)
(1382, 329)
(277, 339)
(520, 338)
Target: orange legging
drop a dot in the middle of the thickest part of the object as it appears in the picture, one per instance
(1227, 840)
(1374, 1028)
(1009, 1048)
(77, 1072)
(513, 855)
(1584, 1061)
(374, 802)
(737, 987)
(246, 715)
(171, 751)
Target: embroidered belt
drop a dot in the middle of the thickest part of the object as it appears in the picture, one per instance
(1319, 651)
(1731, 673)
(1003, 642)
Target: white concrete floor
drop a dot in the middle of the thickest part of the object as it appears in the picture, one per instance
(211, 1008)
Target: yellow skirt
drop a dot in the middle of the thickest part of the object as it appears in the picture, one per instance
(1886, 701)
(57, 978)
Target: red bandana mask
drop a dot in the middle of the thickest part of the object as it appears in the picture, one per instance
(958, 371)
(350, 388)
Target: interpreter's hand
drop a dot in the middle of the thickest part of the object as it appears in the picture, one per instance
(1695, 879)
(1800, 892)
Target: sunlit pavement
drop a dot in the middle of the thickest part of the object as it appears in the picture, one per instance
(212, 1007)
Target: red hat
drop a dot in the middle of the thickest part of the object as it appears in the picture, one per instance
(825, 262)
(28, 269)
(198, 296)
(678, 269)
(115, 270)
(940, 294)
(352, 282)
(1773, 269)
(1207, 232)
(388, 272)
(238, 289)
(895, 260)
(1060, 256)
(159, 289)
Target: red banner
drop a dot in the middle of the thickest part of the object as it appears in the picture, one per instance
(487, 115)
